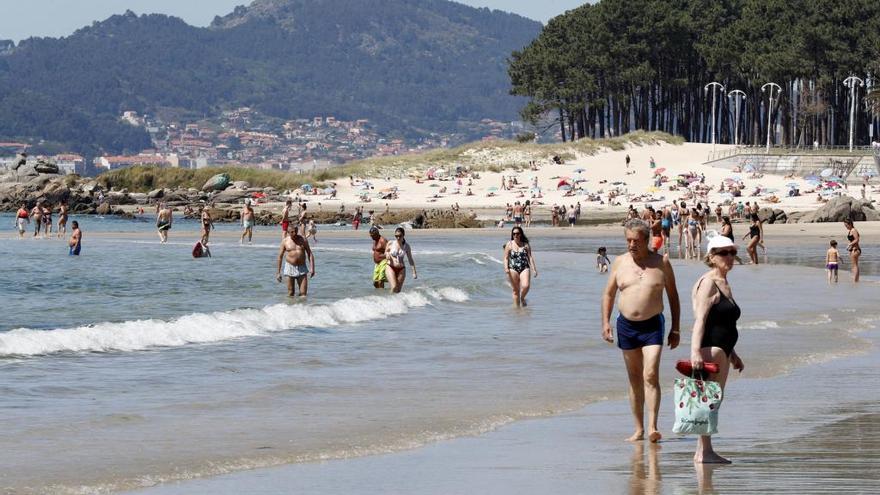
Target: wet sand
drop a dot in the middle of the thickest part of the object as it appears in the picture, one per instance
(813, 430)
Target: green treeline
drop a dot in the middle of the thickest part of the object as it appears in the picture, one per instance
(620, 65)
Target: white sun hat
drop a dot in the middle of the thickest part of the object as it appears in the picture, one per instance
(719, 241)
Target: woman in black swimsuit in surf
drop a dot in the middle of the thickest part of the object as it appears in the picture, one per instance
(855, 251)
(754, 236)
(714, 333)
(519, 265)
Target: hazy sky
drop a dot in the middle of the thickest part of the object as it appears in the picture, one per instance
(25, 18)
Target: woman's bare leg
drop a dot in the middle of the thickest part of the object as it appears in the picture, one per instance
(705, 454)
(525, 279)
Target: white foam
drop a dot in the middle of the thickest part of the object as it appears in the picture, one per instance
(216, 327)
(760, 325)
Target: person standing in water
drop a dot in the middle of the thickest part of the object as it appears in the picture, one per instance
(164, 219)
(292, 258)
(37, 218)
(832, 260)
(285, 217)
(22, 218)
(75, 242)
(62, 219)
(714, 333)
(754, 236)
(395, 252)
(641, 277)
(519, 265)
(379, 246)
(207, 225)
(247, 222)
(855, 250)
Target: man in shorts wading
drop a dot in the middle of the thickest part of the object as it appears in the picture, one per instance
(379, 245)
(292, 257)
(641, 276)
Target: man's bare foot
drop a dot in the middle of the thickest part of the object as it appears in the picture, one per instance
(710, 458)
(523, 302)
(654, 436)
(636, 437)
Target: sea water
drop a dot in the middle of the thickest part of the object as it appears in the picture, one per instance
(135, 364)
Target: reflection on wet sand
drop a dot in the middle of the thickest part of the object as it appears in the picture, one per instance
(704, 477)
(645, 477)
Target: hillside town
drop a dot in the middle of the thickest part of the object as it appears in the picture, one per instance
(244, 137)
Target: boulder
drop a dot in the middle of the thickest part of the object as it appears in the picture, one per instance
(218, 182)
(230, 196)
(27, 171)
(104, 209)
(241, 184)
(156, 193)
(44, 167)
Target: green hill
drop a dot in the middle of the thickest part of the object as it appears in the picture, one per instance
(408, 65)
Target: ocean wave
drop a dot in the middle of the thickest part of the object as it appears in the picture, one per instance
(201, 328)
(760, 325)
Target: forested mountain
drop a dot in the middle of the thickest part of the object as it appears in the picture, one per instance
(408, 65)
(624, 64)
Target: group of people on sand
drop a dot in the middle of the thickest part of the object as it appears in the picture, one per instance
(41, 216)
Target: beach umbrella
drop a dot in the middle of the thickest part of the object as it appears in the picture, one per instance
(831, 183)
(565, 187)
(749, 168)
(659, 171)
(306, 187)
(561, 183)
(826, 173)
(440, 171)
(792, 184)
(579, 170)
(493, 188)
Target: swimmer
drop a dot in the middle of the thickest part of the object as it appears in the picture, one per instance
(312, 230)
(832, 259)
(395, 252)
(641, 277)
(519, 265)
(292, 257)
(207, 225)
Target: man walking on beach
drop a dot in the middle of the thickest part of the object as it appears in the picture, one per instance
(379, 246)
(292, 258)
(164, 218)
(641, 276)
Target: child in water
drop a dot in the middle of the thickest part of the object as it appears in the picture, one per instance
(602, 260)
(832, 258)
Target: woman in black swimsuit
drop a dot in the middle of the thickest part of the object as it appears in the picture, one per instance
(855, 251)
(519, 265)
(714, 333)
(754, 236)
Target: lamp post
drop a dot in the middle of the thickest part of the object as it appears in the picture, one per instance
(852, 82)
(738, 96)
(714, 85)
(770, 107)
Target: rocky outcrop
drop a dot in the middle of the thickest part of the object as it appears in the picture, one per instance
(839, 209)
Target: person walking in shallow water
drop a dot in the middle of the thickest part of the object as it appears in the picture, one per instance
(714, 333)
(247, 222)
(641, 277)
(164, 219)
(395, 252)
(519, 265)
(292, 258)
(75, 242)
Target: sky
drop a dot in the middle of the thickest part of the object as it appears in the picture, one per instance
(22, 19)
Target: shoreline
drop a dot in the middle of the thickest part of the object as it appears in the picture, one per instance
(793, 449)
